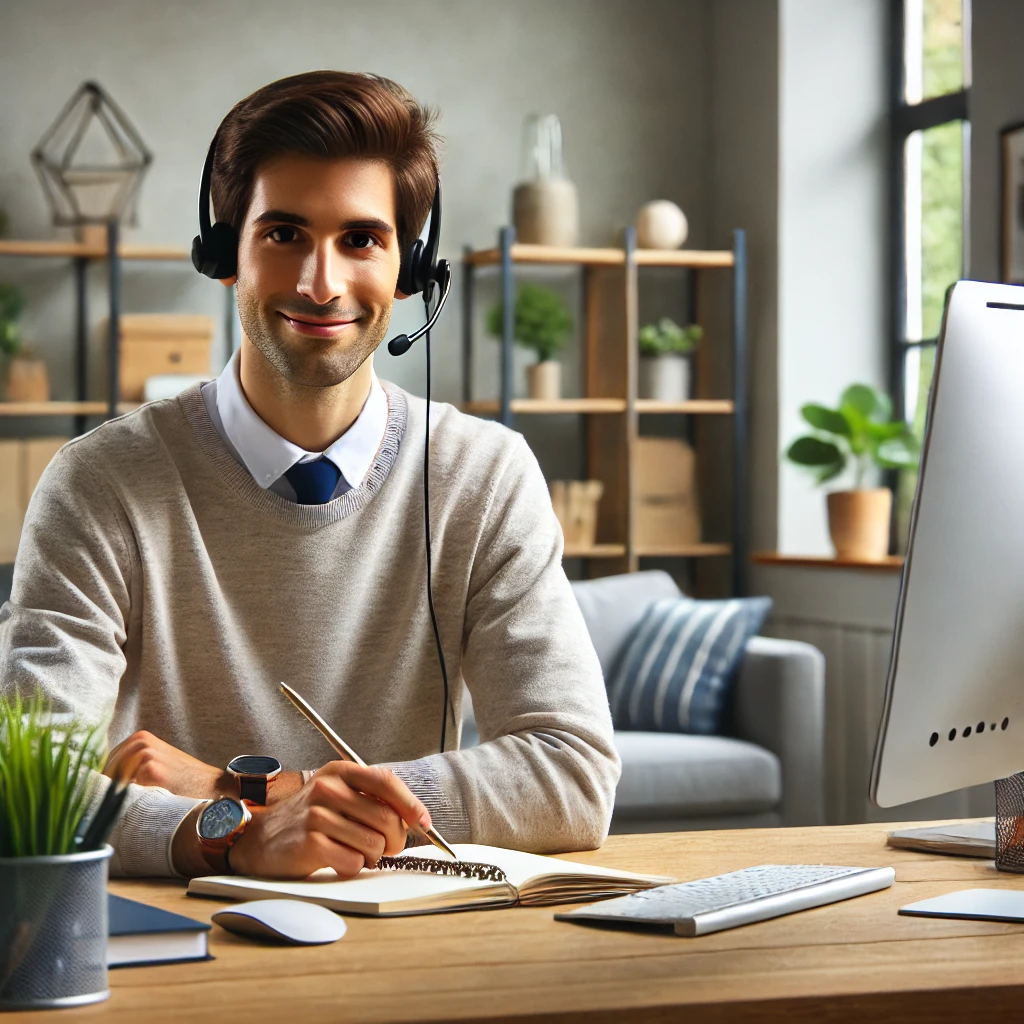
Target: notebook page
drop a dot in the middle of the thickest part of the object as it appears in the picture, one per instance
(372, 890)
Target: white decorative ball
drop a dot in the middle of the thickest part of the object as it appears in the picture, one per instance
(660, 224)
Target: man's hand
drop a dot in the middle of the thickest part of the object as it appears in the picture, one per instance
(346, 817)
(149, 761)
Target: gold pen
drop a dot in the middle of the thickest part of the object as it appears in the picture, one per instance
(343, 750)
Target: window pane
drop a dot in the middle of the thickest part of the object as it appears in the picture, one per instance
(936, 46)
(919, 366)
(934, 225)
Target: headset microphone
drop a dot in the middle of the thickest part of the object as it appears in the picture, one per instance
(400, 345)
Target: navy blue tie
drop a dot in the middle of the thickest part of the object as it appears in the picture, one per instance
(314, 482)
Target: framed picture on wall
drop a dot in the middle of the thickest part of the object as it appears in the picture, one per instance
(1013, 204)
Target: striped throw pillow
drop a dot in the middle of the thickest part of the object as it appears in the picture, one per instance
(675, 672)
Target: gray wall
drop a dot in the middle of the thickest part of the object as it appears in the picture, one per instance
(629, 80)
(997, 100)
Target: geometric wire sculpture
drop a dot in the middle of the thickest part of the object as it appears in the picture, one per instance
(91, 161)
(1010, 823)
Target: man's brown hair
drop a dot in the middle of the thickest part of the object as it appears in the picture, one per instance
(330, 114)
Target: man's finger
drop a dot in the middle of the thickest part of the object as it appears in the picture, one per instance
(369, 843)
(367, 810)
(383, 784)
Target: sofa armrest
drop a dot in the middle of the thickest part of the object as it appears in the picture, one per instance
(778, 702)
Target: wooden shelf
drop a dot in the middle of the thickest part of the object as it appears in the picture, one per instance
(11, 247)
(62, 408)
(891, 563)
(597, 551)
(561, 405)
(693, 407)
(686, 551)
(523, 253)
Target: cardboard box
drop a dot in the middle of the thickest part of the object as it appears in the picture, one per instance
(157, 343)
(667, 511)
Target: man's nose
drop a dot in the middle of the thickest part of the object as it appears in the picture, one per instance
(323, 278)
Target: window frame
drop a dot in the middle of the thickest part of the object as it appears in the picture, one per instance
(905, 119)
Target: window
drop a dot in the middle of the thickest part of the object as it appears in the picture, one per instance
(930, 170)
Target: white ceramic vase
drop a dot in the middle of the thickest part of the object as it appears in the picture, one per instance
(665, 378)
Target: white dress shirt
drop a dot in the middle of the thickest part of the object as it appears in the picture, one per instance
(268, 456)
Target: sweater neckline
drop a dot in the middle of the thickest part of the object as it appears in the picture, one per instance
(238, 478)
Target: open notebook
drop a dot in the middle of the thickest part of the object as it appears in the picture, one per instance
(532, 880)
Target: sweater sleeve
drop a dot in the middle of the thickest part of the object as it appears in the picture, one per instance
(543, 777)
(63, 631)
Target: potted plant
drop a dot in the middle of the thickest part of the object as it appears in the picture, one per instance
(53, 886)
(27, 380)
(860, 432)
(542, 323)
(665, 355)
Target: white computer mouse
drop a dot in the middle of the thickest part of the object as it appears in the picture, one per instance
(292, 921)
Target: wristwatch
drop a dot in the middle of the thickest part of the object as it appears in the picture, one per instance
(220, 824)
(255, 773)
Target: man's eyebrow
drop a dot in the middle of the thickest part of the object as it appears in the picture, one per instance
(284, 217)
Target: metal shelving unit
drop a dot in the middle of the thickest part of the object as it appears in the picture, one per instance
(609, 403)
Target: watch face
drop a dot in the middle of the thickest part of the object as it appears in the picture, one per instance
(220, 819)
(254, 764)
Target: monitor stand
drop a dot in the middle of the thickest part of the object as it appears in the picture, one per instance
(1010, 823)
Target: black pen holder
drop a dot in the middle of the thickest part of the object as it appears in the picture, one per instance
(53, 930)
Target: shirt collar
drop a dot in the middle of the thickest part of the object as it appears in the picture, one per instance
(268, 456)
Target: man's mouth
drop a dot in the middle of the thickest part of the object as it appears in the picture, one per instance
(317, 327)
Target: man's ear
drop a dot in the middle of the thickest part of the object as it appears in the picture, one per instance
(400, 294)
(228, 281)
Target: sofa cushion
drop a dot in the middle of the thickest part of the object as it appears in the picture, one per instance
(613, 606)
(674, 775)
(677, 667)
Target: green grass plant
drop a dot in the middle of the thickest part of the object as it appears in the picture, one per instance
(45, 765)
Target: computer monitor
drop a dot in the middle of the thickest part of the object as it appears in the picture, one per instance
(954, 700)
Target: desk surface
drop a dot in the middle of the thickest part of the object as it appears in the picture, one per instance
(849, 961)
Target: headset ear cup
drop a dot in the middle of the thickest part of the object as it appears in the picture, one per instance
(223, 251)
(217, 257)
(409, 272)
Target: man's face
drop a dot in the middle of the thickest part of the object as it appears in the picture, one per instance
(318, 260)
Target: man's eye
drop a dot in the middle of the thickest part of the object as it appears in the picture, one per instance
(288, 232)
(361, 240)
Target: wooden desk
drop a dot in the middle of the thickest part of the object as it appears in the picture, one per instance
(850, 961)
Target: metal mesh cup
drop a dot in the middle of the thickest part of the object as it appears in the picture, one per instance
(1010, 823)
(53, 930)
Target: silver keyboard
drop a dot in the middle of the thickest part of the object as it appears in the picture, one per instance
(739, 897)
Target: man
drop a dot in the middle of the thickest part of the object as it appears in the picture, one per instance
(177, 563)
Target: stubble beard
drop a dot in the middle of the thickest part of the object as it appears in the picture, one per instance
(310, 362)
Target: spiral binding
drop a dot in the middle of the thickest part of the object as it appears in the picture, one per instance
(461, 868)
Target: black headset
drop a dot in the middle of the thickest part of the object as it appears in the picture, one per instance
(215, 254)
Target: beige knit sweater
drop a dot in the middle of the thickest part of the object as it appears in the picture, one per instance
(157, 581)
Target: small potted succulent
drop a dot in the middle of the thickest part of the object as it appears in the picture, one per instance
(860, 433)
(665, 356)
(27, 380)
(53, 868)
(542, 323)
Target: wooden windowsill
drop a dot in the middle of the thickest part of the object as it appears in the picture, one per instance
(891, 563)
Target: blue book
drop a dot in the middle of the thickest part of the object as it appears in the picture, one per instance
(143, 935)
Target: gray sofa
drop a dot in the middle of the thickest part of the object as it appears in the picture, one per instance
(768, 767)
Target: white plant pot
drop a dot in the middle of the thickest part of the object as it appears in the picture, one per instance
(544, 380)
(665, 378)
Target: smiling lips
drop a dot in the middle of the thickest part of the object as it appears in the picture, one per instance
(318, 328)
